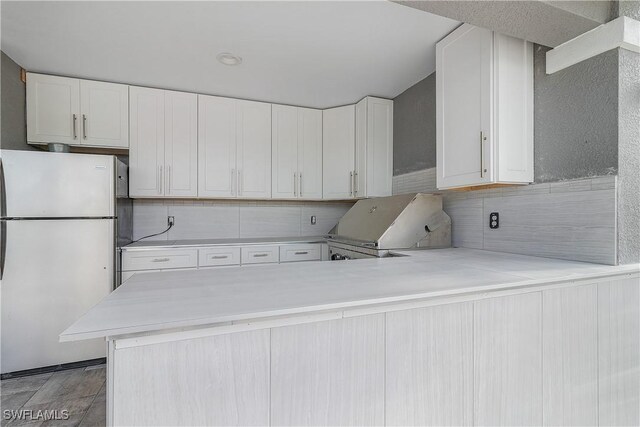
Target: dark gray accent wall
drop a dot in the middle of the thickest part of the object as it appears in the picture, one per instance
(629, 158)
(414, 127)
(575, 118)
(13, 134)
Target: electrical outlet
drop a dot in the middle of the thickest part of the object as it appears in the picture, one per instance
(494, 220)
(313, 220)
(171, 221)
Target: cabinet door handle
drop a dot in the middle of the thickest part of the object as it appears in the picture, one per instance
(351, 183)
(233, 176)
(158, 178)
(482, 139)
(84, 126)
(300, 184)
(220, 257)
(75, 122)
(302, 253)
(355, 183)
(260, 255)
(161, 179)
(295, 184)
(168, 179)
(239, 182)
(161, 259)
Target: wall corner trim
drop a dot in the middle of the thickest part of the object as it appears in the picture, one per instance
(622, 32)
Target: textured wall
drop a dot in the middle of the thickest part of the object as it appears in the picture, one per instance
(629, 158)
(13, 133)
(414, 127)
(576, 118)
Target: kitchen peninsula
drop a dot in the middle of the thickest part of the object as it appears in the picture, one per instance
(432, 337)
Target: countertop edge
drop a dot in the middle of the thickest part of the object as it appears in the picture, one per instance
(159, 328)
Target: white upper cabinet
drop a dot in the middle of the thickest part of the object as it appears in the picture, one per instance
(338, 152)
(296, 153)
(284, 140)
(53, 109)
(105, 114)
(254, 149)
(309, 153)
(146, 152)
(484, 99)
(234, 139)
(163, 152)
(217, 175)
(181, 144)
(374, 147)
(77, 112)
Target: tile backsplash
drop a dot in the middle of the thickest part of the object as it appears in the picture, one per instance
(573, 220)
(196, 219)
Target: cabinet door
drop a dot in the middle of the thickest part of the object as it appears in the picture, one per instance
(284, 139)
(181, 144)
(104, 109)
(53, 109)
(360, 178)
(146, 152)
(338, 152)
(463, 107)
(309, 153)
(254, 149)
(217, 175)
(508, 360)
(378, 170)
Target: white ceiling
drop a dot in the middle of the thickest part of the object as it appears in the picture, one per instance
(316, 54)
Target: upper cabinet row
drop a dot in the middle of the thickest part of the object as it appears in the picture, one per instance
(188, 145)
(77, 112)
(484, 109)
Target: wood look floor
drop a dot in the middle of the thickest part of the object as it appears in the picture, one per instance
(82, 392)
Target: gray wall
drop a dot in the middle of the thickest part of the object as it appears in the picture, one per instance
(414, 127)
(13, 134)
(629, 158)
(575, 118)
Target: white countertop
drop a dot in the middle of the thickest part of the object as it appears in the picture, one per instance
(157, 244)
(182, 299)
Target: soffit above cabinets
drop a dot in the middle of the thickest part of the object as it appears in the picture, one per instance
(313, 54)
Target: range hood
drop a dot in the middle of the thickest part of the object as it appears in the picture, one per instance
(397, 222)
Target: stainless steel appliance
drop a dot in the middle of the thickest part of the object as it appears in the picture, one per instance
(62, 217)
(373, 227)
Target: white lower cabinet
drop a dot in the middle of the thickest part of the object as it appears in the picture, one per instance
(508, 360)
(430, 366)
(153, 260)
(260, 254)
(216, 256)
(159, 259)
(329, 373)
(294, 253)
(570, 356)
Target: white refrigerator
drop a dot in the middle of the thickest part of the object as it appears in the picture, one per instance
(61, 218)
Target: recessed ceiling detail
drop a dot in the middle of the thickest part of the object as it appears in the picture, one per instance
(315, 54)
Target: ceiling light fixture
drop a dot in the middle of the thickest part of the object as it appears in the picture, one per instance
(229, 58)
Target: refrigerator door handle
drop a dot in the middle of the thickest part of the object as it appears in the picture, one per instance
(3, 223)
(3, 192)
(3, 246)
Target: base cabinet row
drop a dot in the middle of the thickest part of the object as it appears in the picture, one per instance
(172, 259)
(565, 356)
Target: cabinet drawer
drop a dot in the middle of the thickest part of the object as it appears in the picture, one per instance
(211, 257)
(308, 252)
(159, 259)
(260, 254)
